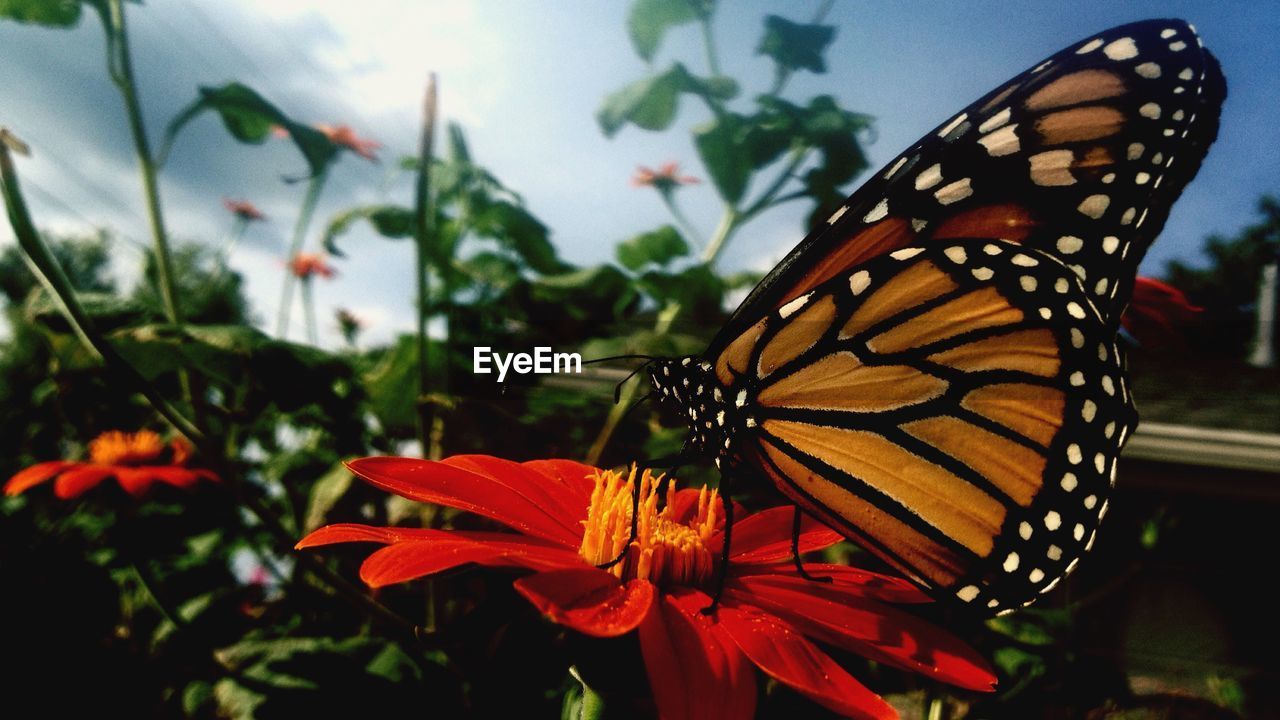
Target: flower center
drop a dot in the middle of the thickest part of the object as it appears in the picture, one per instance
(121, 448)
(665, 551)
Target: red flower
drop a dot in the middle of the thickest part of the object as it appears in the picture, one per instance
(346, 137)
(243, 209)
(1156, 313)
(135, 460)
(569, 518)
(308, 265)
(665, 178)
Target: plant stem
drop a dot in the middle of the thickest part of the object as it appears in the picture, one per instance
(668, 198)
(122, 75)
(422, 258)
(305, 213)
(309, 310)
(709, 44)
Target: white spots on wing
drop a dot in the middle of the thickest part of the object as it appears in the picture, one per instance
(1089, 46)
(1101, 287)
(1148, 70)
(1135, 151)
(1090, 502)
(929, 177)
(1068, 244)
(983, 273)
(967, 593)
(1099, 462)
(1142, 178)
(917, 224)
(1089, 410)
(1077, 379)
(1122, 49)
(1035, 575)
(1142, 218)
(1061, 285)
(1179, 90)
(1108, 178)
(1168, 132)
(1110, 243)
(1102, 352)
(1127, 217)
(1108, 385)
(1110, 429)
(1042, 66)
(1054, 553)
(1028, 283)
(1069, 482)
(1046, 313)
(1011, 562)
(895, 167)
(1024, 260)
(878, 212)
(859, 281)
(1074, 310)
(751, 422)
(837, 214)
(1077, 338)
(1052, 520)
(1078, 532)
(995, 121)
(1001, 142)
(955, 123)
(1186, 74)
(1177, 46)
(741, 400)
(1073, 454)
(1150, 110)
(1051, 168)
(1178, 114)
(1167, 33)
(790, 308)
(1094, 205)
(905, 253)
(720, 418)
(955, 254)
(954, 192)
(1157, 158)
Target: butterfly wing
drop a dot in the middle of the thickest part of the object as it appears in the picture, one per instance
(1080, 157)
(956, 407)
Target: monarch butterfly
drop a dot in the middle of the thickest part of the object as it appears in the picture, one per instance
(934, 372)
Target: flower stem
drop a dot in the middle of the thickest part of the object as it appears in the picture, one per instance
(423, 211)
(314, 186)
(309, 311)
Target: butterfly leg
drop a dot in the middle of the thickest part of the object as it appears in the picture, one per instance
(726, 500)
(795, 551)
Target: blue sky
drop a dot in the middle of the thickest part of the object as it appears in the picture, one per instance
(524, 78)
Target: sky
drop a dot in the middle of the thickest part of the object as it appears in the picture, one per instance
(524, 78)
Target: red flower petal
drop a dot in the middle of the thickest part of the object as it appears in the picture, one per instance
(526, 508)
(843, 581)
(135, 481)
(1157, 312)
(778, 649)
(695, 672)
(445, 550)
(79, 479)
(34, 475)
(179, 477)
(875, 631)
(589, 600)
(766, 536)
(573, 475)
(561, 500)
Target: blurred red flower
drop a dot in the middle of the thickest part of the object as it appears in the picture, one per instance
(346, 137)
(569, 518)
(308, 265)
(1157, 312)
(136, 460)
(243, 209)
(664, 178)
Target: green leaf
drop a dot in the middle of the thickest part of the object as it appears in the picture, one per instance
(698, 290)
(659, 246)
(795, 46)
(490, 268)
(649, 21)
(518, 230)
(50, 13)
(393, 222)
(250, 119)
(325, 493)
(392, 387)
(650, 103)
(107, 310)
(720, 144)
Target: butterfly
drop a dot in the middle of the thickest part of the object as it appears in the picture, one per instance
(934, 372)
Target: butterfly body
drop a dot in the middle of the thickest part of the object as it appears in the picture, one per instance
(934, 373)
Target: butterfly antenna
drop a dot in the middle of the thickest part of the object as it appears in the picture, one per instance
(619, 357)
(617, 389)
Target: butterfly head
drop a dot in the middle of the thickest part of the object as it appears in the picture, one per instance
(688, 387)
